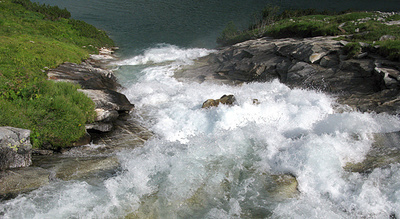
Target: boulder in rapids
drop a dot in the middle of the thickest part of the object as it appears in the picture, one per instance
(225, 99)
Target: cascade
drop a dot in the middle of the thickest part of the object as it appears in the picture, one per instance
(282, 157)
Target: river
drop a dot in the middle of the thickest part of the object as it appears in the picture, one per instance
(225, 162)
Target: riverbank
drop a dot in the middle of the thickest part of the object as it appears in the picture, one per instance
(31, 43)
(55, 103)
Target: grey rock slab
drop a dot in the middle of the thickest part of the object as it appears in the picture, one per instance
(15, 148)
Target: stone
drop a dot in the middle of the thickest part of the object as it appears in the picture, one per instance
(225, 99)
(299, 71)
(385, 151)
(109, 106)
(16, 181)
(391, 76)
(210, 103)
(329, 61)
(100, 85)
(310, 63)
(53, 168)
(387, 37)
(109, 100)
(84, 74)
(15, 148)
(84, 140)
(100, 126)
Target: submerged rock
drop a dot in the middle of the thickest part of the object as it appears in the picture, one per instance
(270, 189)
(15, 148)
(285, 186)
(47, 169)
(13, 182)
(385, 151)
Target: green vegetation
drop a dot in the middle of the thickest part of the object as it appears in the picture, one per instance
(51, 12)
(367, 27)
(32, 39)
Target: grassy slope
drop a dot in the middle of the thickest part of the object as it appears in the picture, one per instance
(366, 27)
(29, 43)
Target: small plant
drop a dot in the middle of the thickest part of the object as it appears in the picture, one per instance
(352, 49)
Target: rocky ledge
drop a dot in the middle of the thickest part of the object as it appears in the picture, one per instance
(15, 148)
(367, 82)
(100, 85)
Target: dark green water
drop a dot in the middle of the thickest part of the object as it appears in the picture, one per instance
(139, 24)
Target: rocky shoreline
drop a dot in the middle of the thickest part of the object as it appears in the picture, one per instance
(367, 83)
(114, 129)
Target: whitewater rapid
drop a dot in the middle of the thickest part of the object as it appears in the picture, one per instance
(218, 162)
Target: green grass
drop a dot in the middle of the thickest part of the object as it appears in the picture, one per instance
(365, 27)
(30, 42)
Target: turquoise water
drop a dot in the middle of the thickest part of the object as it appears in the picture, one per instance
(136, 25)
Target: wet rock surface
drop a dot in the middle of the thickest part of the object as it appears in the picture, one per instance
(275, 187)
(385, 151)
(225, 99)
(366, 83)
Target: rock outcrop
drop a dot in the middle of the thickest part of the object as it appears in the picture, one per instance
(100, 85)
(15, 148)
(367, 82)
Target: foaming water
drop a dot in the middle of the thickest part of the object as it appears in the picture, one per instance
(165, 53)
(226, 161)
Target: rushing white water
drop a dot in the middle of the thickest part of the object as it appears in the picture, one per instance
(219, 162)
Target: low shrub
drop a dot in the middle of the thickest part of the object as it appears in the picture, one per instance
(390, 49)
(352, 49)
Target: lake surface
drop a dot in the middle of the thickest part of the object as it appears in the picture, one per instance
(136, 25)
(281, 158)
